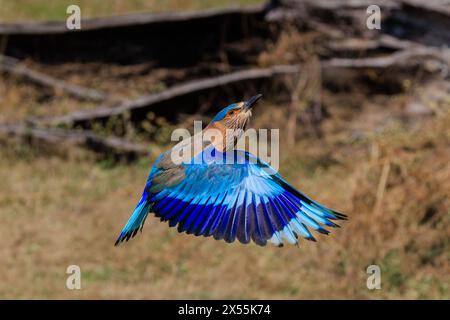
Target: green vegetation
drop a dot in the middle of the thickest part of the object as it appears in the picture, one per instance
(41, 10)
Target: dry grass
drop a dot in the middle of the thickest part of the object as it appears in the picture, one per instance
(56, 212)
(20, 99)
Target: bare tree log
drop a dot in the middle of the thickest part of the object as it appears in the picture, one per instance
(172, 39)
(104, 145)
(13, 66)
(124, 20)
(148, 102)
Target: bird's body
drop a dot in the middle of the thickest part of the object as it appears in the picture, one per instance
(226, 193)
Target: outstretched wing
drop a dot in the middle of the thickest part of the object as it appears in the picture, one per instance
(242, 200)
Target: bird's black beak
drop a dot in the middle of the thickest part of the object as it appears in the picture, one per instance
(250, 102)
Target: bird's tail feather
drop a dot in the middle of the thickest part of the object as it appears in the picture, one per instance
(136, 220)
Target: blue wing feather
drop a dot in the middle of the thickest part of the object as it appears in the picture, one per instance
(228, 201)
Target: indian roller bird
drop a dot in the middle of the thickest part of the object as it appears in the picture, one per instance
(245, 199)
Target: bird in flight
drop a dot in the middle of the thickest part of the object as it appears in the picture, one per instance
(227, 193)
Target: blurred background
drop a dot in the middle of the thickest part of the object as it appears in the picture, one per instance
(364, 127)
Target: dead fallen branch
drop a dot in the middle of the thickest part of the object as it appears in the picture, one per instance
(341, 14)
(114, 146)
(14, 67)
(168, 98)
(365, 45)
(403, 58)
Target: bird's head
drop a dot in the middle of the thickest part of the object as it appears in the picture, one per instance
(229, 124)
(236, 115)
